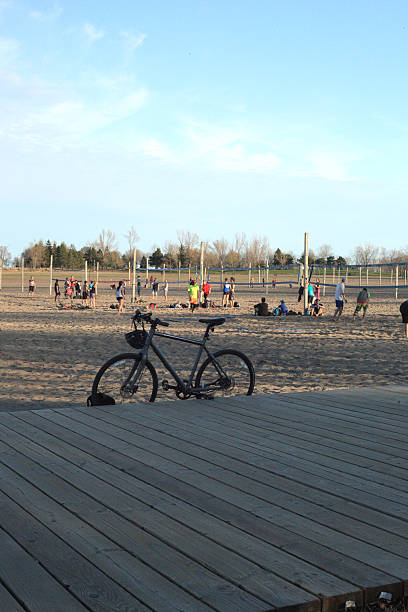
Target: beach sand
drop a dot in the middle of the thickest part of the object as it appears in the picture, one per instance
(49, 356)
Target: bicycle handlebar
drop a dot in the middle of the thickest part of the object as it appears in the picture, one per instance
(139, 317)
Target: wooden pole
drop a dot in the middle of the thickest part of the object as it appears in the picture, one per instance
(86, 270)
(249, 275)
(147, 268)
(396, 282)
(267, 274)
(129, 270)
(380, 274)
(334, 275)
(367, 276)
(306, 274)
(324, 281)
(201, 265)
(22, 275)
(222, 275)
(259, 274)
(134, 277)
(164, 272)
(359, 273)
(391, 277)
(179, 274)
(97, 271)
(51, 258)
(347, 274)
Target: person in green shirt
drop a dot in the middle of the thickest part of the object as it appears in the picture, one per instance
(193, 291)
(362, 302)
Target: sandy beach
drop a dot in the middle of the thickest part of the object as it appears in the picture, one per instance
(49, 356)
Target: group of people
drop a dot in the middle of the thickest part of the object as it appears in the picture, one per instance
(262, 309)
(198, 297)
(228, 292)
(73, 289)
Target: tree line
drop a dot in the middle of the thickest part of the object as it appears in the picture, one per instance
(240, 252)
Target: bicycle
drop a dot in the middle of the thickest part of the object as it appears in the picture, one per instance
(132, 377)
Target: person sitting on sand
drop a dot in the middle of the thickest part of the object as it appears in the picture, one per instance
(317, 308)
(362, 302)
(404, 314)
(281, 310)
(261, 309)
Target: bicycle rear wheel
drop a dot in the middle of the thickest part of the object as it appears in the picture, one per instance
(114, 376)
(238, 377)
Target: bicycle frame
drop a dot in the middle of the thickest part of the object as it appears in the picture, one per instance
(184, 387)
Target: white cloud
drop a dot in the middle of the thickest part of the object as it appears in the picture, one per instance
(132, 40)
(327, 165)
(92, 33)
(42, 16)
(230, 149)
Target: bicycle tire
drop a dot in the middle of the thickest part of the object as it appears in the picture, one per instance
(246, 384)
(110, 378)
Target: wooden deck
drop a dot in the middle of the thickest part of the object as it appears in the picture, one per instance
(294, 501)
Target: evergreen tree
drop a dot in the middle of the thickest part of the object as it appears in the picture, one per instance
(143, 262)
(183, 256)
(156, 258)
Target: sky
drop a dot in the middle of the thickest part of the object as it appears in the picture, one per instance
(269, 117)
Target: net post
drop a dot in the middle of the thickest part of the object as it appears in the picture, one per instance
(306, 274)
(324, 281)
(22, 275)
(134, 277)
(396, 282)
(51, 258)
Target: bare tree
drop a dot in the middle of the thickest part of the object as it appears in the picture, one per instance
(220, 248)
(5, 255)
(257, 250)
(365, 254)
(325, 250)
(132, 238)
(106, 242)
(189, 240)
(171, 251)
(35, 254)
(239, 246)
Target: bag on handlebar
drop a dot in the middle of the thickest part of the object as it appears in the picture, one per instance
(136, 338)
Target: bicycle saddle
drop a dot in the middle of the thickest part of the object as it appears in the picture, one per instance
(213, 322)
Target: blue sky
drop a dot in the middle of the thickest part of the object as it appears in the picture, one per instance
(266, 117)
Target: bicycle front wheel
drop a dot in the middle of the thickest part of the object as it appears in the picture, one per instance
(236, 375)
(114, 376)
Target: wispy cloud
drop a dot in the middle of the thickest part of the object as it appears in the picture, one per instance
(132, 40)
(92, 33)
(42, 16)
(9, 51)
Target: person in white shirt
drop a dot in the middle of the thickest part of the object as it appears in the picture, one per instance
(340, 298)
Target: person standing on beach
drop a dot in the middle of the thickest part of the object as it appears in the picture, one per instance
(120, 296)
(155, 288)
(206, 292)
(57, 290)
(84, 293)
(92, 294)
(193, 291)
(404, 314)
(31, 286)
(139, 287)
(225, 292)
(340, 298)
(362, 302)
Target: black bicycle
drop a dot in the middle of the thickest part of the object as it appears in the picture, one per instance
(132, 377)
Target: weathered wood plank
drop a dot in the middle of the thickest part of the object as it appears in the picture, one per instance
(7, 602)
(287, 477)
(213, 587)
(322, 554)
(35, 588)
(299, 524)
